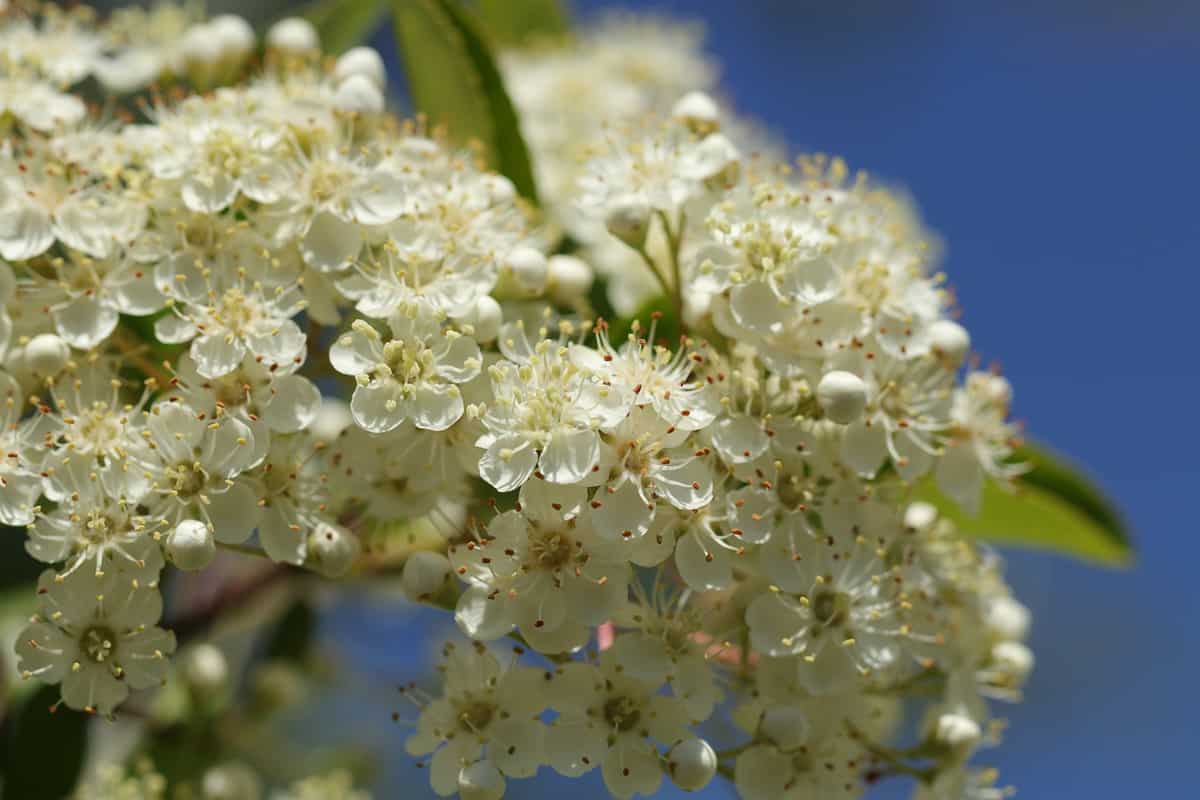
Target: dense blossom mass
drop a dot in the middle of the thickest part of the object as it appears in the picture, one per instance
(251, 311)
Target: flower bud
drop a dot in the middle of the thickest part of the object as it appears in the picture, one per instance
(529, 268)
(786, 726)
(425, 574)
(480, 781)
(698, 111)
(358, 93)
(199, 46)
(950, 342)
(629, 221)
(190, 545)
(293, 35)
(919, 517)
(692, 764)
(231, 781)
(1007, 619)
(332, 550)
(843, 396)
(46, 354)
(364, 61)
(570, 278)
(205, 669)
(957, 731)
(234, 36)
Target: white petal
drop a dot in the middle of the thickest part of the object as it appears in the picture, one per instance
(481, 618)
(330, 243)
(85, 322)
(217, 355)
(378, 407)
(570, 455)
(702, 563)
(508, 462)
(294, 405)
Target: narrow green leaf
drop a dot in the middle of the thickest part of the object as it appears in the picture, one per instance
(344, 23)
(453, 79)
(1052, 506)
(518, 21)
(44, 749)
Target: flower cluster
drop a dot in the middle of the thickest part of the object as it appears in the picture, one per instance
(271, 318)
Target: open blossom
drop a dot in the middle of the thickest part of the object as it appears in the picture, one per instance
(486, 711)
(96, 634)
(414, 375)
(543, 569)
(546, 413)
(612, 720)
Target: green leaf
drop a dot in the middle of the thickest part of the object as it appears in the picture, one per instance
(344, 23)
(453, 79)
(1052, 506)
(518, 21)
(657, 311)
(43, 749)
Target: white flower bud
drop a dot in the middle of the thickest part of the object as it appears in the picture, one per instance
(358, 93)
(692, 764)
(958, 731)
(190, 545)
(480, 781)
(46, 354)
(950, 342)
(629, 221)
(1006, 618)
(425, 574)
(529, 268)
(484, 319)
(570, 278)
(919, 517)
(234, 35)
(364, 61)
(205, 669)
(786, 726)
(293, 35)
(698, 111)
(332, 550)
(232, 781)
(1014, 660)
(500, 189)
(200, 45)
(843, 396)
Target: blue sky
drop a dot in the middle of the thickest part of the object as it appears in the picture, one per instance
(1053, 145)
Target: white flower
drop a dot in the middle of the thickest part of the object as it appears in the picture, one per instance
(840, 608)
(546, 414)
(907, 411)
(981, 439)
(192, 463)
(542, 569)
(614, 721)
(648, 460)
(96, 636)
(657, 377)
(292, 489)
(39, 105)
(486, 711)
(412, 376)
(97, 522)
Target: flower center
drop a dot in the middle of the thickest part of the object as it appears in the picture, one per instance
(552, 549)
(831, 608)
(622, 713)
(98, 644)
(475, 715)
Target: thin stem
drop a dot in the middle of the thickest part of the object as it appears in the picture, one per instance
(674, 243)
